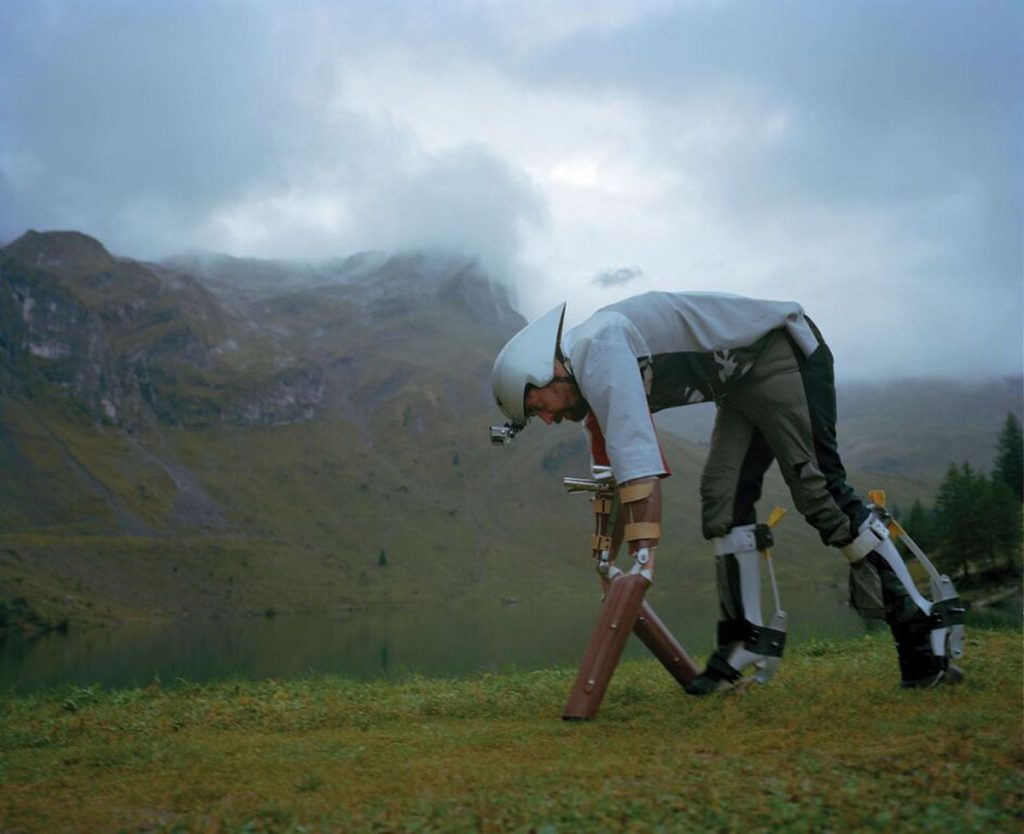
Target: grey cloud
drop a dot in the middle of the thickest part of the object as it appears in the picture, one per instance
(120, 110)
(902, 124)
(617, 277)
(888, 100)
(144, 124)
(465, 199)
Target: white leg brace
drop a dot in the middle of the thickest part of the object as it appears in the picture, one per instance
(752, 643)
(741, 544)
(873, 536)
(945, 612)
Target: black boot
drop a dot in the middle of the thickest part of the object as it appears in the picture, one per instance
(920, 668)
(718, 674)
(748, 646)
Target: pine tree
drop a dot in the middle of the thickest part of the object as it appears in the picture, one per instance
(920, 524)
(964, 540)
(1010, 458)
(1007, 519)
(978, 521)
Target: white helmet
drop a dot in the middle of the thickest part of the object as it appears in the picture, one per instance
(527, 359)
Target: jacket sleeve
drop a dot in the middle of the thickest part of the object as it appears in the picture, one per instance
(610, 381)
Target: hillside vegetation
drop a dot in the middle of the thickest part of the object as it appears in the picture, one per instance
(212, 436)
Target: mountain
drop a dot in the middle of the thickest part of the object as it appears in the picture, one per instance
(180, 443)
(910, 428)
(213, 436)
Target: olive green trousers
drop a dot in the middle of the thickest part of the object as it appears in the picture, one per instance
(784, 409)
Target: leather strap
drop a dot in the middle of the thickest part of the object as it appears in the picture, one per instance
(642, 530)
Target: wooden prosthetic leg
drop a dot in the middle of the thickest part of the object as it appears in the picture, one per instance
(659, 641)
(623, 608)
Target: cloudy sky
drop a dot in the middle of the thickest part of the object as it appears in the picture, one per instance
(861, 156)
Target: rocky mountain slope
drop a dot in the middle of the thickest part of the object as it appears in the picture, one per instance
(177, 442)
(211, 436)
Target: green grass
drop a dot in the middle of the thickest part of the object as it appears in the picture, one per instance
(830, 745)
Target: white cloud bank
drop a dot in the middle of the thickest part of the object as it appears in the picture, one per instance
(861, 157)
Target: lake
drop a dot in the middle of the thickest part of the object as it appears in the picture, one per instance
(461, 639)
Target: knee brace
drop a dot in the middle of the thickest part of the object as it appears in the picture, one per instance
(875, 536)
(743, 639)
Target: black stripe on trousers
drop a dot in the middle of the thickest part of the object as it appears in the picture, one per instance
(816, 372)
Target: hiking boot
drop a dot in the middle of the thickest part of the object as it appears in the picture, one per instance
(920, 667)
(718, 675)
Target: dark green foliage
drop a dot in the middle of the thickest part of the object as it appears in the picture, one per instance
(382, 559)
(1009, 467)
(959, 510)
(1006, 524)
(976, 524)
(921, 524)
(17, 616)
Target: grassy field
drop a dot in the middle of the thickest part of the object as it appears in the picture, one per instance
(830, 745)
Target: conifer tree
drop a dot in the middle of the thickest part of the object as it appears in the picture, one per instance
(1009, 467)
(978, 521)
(1007, 520)
(961, 523)
(920, 523)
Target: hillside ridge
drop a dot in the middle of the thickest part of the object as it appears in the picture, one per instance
(178, 441)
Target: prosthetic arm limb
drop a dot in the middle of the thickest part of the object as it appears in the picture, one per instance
(649, 628)
(623, 609)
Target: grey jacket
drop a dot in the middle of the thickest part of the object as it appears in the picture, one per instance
(659, 350)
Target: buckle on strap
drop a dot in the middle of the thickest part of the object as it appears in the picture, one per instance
(762, 640)
(767, 641)
(947, 612)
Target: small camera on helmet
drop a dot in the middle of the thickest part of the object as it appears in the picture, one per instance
(500, 435)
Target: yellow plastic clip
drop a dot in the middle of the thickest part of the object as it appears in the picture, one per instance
(774, 517)
(877, 497)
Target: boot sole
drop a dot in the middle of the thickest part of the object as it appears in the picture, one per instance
(950, 677)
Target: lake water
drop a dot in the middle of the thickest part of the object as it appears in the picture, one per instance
(459, 640)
